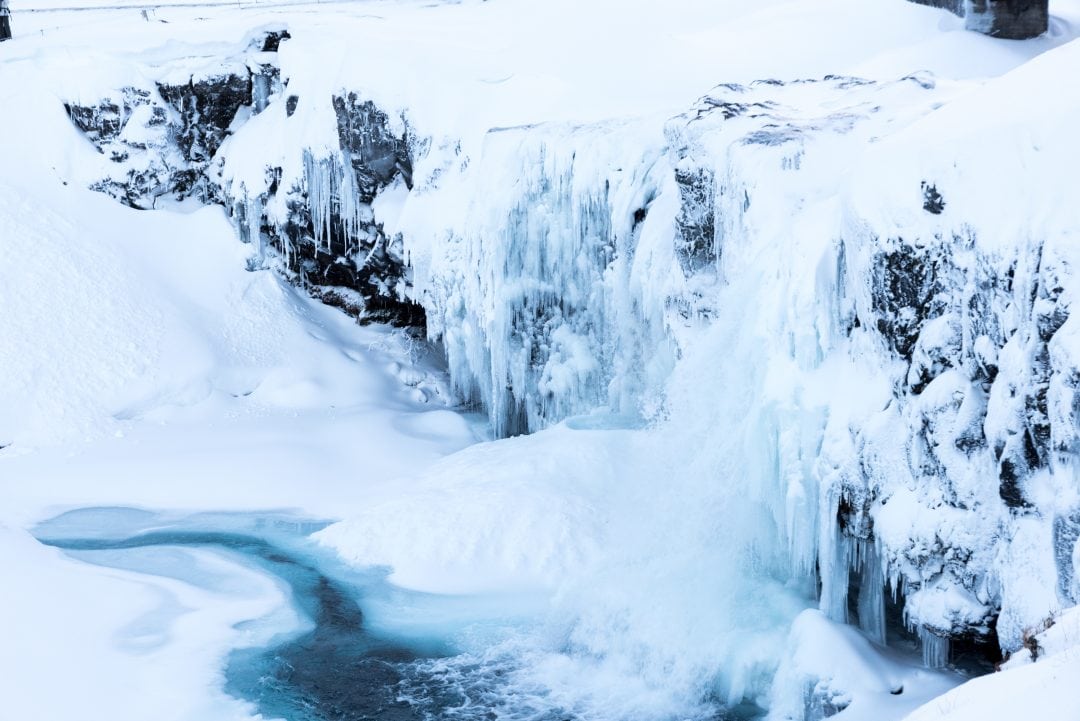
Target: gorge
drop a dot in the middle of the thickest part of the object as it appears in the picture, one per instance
(795, 355)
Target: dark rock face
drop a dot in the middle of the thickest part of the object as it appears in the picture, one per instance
(904, 295)
(272, 40)
(933, 200)
(164, 140)
(1010, 19)
(132, 129)
(696, 246)
(377, 156)
(163, 137)
(5, 21)
(205, 108)
(330, 243)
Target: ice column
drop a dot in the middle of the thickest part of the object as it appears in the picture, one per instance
(935, 649)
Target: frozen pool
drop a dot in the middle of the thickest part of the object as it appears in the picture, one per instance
(350, 646)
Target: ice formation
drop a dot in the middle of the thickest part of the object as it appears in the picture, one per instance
(856, 352)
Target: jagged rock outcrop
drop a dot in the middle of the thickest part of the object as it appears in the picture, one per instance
(162, 137)
(932, 491)
(163, 140)
(1010, 19)
(318, 218)
(203, 108)
(132, 130)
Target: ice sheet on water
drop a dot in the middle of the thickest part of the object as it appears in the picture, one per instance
(118, 522)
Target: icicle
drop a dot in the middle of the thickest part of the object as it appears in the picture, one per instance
(871, 592)
(834, 560)
(247, 211)
(542, 267)
(935, 649)
(260, 91)
(334, 200)
(253, 213)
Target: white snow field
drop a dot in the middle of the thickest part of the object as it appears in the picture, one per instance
(668, 540)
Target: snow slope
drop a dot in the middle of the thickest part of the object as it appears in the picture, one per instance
(142, 364)
(1045, 686)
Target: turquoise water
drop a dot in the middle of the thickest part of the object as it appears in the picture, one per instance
(365, 649)
(336, 669)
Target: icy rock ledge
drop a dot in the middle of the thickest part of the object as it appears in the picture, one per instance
(309, 213)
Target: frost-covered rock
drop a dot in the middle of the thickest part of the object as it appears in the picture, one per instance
(162, 136)
(1039, 681)
(313, 207)
(132, 130)
(313, 217)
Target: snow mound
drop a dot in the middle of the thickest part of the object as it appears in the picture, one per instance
(518, 514)
(832, 670)
(1025, 687)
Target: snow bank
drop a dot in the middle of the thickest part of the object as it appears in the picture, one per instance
(1024, 687)
(833, 670)
(77, 640)
(513, 515)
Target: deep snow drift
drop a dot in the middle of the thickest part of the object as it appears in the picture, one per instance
(803, 341)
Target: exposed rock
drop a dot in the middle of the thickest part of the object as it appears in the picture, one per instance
(205, 107)
(933, 202)
(376, 154)
(132, 130)
(323, 230)
(272, 41)
(1011, 19)
(5, 21)
(163, 137)
(696, 246)
(905, 294)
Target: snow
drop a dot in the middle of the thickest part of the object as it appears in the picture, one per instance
(79, 639)
(830, 664)
(517, 515)
(143, 365)
(1046, 686)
